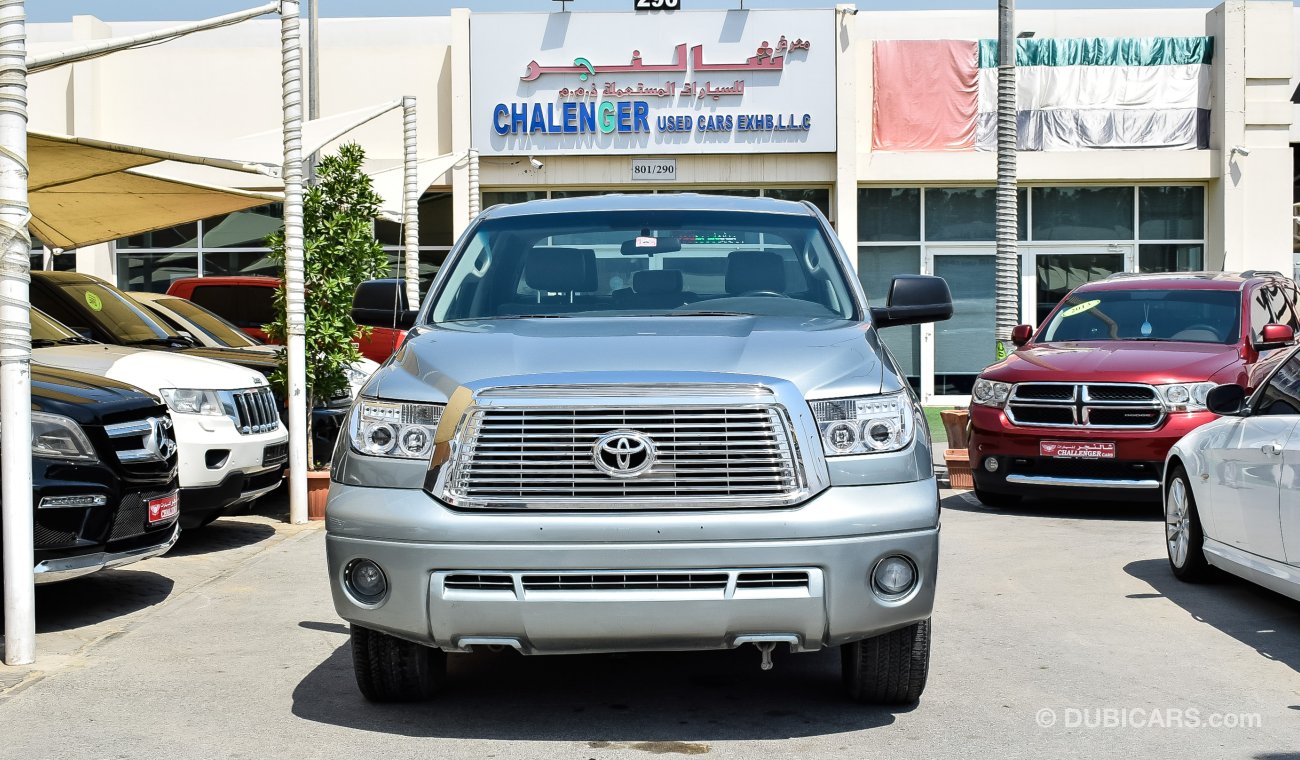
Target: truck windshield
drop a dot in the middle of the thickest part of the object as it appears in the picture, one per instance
(1189, 316)
(645, 263)
(192, 317)
(114, 314)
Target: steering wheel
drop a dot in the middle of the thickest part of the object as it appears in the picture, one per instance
(762, 293)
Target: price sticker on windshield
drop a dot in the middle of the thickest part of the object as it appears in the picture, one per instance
(1075, 311)
(93, 302)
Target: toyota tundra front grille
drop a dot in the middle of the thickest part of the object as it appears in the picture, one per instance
(1112, 406)
(657, 457)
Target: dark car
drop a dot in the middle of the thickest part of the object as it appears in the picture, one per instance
(96, 310)
(103, 473)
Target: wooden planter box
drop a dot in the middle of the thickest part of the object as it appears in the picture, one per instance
(318, 489)
(959, 475)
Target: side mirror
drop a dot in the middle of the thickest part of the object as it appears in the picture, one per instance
(1020, 335)
(402, 320)
(1275, 336)
(1227, 400)
(914, 299)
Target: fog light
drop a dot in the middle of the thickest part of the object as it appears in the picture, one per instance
(991, 464)
(894, 576)
(366, 581)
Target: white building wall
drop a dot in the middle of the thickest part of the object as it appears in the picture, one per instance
(218, 85)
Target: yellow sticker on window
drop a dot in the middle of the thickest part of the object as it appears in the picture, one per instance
(93, 302)
(1080, 308)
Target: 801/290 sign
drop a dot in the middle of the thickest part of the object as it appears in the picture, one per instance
(657, 5)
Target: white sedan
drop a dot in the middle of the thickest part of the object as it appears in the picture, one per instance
(1232, 487)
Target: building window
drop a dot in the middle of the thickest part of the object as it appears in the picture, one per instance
(889, 214)
(877, 266)
(1171, 213)
(952, 228)
(235, 244)
(1082, 213)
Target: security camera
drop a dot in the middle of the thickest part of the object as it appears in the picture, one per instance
(536, 163)
(1241, 150)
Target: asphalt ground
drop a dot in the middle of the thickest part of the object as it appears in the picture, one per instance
(1058, 632)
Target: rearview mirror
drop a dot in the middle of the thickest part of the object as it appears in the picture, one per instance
(1275, 336)
(1227, 400)
(648, 246)
(1020, 335)
(914, 299)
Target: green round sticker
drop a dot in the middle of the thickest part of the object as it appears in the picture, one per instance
(93, 302)
(1079, 309)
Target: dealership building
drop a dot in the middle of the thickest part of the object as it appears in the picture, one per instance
(1150, 140)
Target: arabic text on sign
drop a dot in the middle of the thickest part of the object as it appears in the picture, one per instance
(765, 58)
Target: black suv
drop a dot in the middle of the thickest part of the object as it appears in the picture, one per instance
(103, 474)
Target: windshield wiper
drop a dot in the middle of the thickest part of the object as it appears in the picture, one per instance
(43, 342)
(169, 341)
(74, 340)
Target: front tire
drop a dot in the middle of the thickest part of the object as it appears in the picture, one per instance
(1184, 539)
(389, 669)
(889, 669)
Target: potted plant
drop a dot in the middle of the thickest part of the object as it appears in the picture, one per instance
(956, 422)
(339, 253)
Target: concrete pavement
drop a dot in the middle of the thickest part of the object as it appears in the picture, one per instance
(230, 648)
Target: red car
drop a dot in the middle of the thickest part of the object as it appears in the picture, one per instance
(247, 302)
(1117, 373)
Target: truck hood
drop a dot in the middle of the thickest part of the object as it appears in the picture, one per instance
(148, 369)
(821, 357)
(1132, 362)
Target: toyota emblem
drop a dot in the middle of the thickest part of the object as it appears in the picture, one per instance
(623, 453)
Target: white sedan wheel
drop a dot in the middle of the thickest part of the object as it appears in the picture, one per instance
(1178, 522)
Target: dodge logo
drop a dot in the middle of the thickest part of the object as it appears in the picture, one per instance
(623, 453)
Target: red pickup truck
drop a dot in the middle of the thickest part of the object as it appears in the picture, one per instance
(1116, 375)
(247, 302)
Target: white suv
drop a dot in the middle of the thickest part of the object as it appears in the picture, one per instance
(231, 445)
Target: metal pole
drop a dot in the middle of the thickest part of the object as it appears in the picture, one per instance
(15, 342)
(313, 77)
(411, 202)
(295, 321)
(60, 57)
(1007, 215)
(475, 198)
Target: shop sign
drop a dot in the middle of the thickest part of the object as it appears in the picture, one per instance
(701, 82)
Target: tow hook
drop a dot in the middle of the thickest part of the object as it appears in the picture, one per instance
(765, 648)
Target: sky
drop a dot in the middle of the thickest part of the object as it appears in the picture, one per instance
(39, 11)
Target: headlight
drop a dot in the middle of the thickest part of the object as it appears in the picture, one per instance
(990, 393)
(393, 429)
(58, 437)
(1184, 397)
(865, 424)
(193, 401)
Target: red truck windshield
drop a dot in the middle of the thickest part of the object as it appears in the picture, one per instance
(1189, 316)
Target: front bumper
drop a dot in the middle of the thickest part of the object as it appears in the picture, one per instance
(1135, 472)
(210, 449)
(835, 540)
(67, 568)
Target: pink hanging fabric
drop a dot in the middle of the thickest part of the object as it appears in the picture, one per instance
(926, 94)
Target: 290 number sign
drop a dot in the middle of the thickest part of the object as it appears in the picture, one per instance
(657, 5)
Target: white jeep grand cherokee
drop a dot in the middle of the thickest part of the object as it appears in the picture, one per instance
(231, 445)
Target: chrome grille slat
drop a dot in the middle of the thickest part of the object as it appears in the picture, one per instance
(1116, 406)
(542, 457)
(255, 410)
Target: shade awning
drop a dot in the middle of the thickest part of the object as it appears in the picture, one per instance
(84, 192)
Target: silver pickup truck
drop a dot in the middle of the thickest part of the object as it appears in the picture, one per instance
(625, 423)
